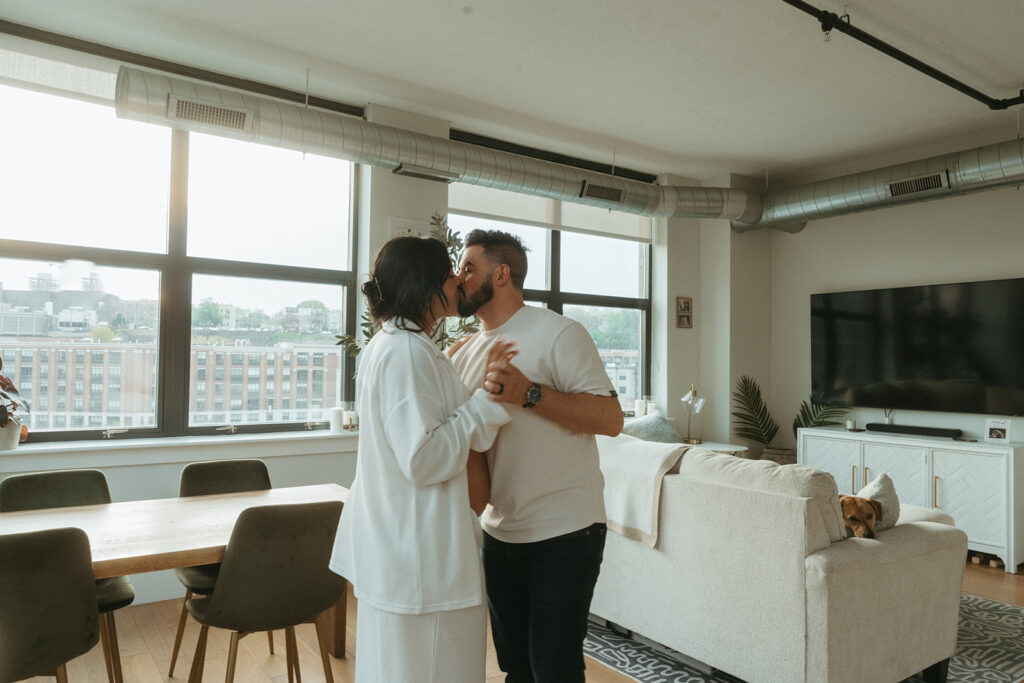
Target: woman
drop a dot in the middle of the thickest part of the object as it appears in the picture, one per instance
(407, 539)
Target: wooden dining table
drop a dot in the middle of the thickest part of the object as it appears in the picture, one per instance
(140, 536)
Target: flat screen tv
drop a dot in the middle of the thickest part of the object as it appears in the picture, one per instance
(951, 348)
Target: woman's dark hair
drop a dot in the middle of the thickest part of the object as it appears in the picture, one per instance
(408, 273)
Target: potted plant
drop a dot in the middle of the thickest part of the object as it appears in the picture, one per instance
(13, 430)
(757, 424)
(444, 335)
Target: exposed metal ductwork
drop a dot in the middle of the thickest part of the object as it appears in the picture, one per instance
(981, 168)
(158, 98)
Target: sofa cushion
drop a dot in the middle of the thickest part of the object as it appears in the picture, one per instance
(651, 428)
(795, 480)
(883, 490)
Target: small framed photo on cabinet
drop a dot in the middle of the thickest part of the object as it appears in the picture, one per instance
(684, 311)
(997, 431)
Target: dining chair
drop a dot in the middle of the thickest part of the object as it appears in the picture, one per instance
(202, 479)
(274, 576)
(48, 607)
(70, 488)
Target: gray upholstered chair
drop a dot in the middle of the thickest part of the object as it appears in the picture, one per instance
(48, 610)
(274, 576)
(69, 488)
(202, 479)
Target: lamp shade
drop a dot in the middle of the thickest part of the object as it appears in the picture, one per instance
(694, 404)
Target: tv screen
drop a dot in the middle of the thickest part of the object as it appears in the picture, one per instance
(951, 348)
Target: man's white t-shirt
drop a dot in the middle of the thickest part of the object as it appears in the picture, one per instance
(545, 480)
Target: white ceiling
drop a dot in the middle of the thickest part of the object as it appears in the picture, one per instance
(698, 88)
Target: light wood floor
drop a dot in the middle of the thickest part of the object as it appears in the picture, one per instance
(146, 634)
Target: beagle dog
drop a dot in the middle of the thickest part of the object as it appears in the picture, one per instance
(860, 515)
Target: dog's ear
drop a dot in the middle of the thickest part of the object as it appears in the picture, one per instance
(877, 508)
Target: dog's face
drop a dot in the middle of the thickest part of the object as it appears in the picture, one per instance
(860, 515)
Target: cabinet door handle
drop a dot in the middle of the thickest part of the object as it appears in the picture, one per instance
(935, 492)
(866, 475)
(853, 479)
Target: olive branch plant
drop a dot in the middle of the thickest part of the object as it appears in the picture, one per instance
(444, 334)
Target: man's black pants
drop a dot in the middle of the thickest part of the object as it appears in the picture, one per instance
(538, 595)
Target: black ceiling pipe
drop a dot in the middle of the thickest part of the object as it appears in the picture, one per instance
(831, 20)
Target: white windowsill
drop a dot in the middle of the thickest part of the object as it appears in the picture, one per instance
(178, 449)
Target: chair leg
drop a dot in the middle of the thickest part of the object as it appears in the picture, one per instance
(115, 650)
(288, 657)
(105, 642)
(289, 637)
(229, 677)
(179, 634)
(198, 659)
(270, 637)
(62, 674)
(321, 639)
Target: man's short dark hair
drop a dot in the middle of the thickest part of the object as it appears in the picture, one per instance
(502, 247)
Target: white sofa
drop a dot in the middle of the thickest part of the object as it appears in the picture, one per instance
(753, 575)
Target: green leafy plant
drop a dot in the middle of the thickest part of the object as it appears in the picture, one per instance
(12, 405)
(444, 335)
(813, 414)
(757, 424)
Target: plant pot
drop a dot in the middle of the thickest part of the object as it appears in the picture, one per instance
(10, 435)
(783, 456)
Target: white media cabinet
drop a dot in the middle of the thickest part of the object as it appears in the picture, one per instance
(981, 485)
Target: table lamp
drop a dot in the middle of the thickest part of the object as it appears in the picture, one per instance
(694, 404)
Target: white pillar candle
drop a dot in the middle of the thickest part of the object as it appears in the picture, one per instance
(851, 424)
(336, 418)
(348, 418)
(639, 406)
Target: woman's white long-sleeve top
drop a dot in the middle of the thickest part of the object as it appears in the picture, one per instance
(407, 535)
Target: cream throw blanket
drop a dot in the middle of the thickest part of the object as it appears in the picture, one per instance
(633, 470)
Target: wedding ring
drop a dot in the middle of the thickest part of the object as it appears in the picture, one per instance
(501, 388)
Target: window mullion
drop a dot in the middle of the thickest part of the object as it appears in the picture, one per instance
(175, 300)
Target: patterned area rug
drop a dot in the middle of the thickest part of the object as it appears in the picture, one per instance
(989, 649)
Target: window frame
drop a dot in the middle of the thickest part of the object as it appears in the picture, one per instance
(176, 269)
(556, 299)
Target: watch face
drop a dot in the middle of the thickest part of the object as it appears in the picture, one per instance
(533, 394)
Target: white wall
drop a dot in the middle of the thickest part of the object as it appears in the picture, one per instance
(675, 352)
(974, 237)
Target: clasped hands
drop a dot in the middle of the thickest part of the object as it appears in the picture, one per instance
(504, 382)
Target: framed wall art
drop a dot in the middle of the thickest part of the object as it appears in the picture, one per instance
(684, 312)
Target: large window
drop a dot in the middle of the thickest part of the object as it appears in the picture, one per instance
(136, 258)
(598, 280)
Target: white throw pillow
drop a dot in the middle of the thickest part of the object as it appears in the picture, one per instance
(883, 490)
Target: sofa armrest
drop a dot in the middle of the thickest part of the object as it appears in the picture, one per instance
(884, 608)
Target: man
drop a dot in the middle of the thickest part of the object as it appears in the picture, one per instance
(544, 529)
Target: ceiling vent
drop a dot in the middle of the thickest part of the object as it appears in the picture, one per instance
(602, 192)
(196, 111)
(925, 183)
(425, 173)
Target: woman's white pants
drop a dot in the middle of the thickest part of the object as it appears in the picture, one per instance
(439, 647)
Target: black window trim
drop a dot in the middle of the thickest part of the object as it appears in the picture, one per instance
(174, 342)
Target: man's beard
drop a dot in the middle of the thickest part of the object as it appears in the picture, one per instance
(470, 304)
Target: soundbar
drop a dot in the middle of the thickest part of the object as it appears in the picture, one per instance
(911, 429)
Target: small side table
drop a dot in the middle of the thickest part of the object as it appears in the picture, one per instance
(727, 448)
